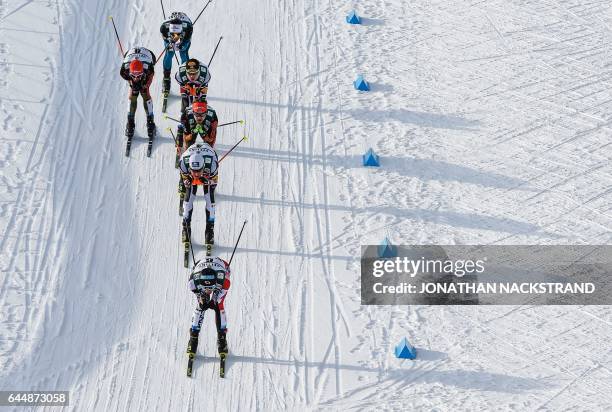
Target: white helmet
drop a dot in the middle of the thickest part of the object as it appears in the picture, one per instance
(196, 161)
(175, 28)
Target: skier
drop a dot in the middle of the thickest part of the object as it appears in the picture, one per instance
(193, 77)
(200, 120)
(138, 69)
(176, 32)
(198, 166)
(210, 281)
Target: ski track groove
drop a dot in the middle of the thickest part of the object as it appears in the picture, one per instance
(30, 210)
(549, 363)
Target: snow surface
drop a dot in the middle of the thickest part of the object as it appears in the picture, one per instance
(492, 120)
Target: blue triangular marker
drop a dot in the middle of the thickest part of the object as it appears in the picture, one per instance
(371, 159)
(405, 350)
(386, 249)
(361, 84)
(353, 18)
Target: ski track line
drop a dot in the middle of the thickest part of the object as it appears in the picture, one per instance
(303, 316)
(568, 198)
(311, 378)
(325, 240)
(91, 174)
(563, 389)
(16, 9)
(31, 209)
(552, 363)
(353, 188)
(549, 340)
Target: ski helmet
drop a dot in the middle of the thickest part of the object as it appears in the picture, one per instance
(199, 107)
(192, 67)
(196, 162)
(206, 279)
(136, 68)
(175, 26)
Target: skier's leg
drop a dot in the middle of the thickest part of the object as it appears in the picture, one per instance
(166, 82)
(221, 322)
(167, 65)
(184, 104)
(187, 211)
(184, 51)
(188, 140)
(168, 57)
(180, 129)
(181, 188)
(188, 205)
(146, 97)
(220, 317)
(148, 106)
(210, 202)
(209, 192)
(133, 99)
(194, 331)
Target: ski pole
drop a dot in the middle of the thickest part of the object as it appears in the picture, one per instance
(221, 125)
(206, 5)
(175, 56)
(172, 133)
(230, 150)
(227, 124)
(214, 51)
(163, 11)
(160, 54)
(117, 35)
(166, 50)
(172, 118)
(236, 245)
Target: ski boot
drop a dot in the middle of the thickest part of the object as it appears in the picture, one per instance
(177, 157)
(166, 83)
(129, 128)
(150, 126)
(165, 90)
(192, 346)
(222, 343)
(182, 191)
(209, 235)
(180, 129)
(186, 236)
